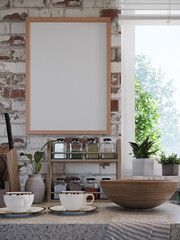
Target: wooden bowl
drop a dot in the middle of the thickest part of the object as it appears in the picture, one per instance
(139, 194)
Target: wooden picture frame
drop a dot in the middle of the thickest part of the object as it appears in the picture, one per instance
(68, 76)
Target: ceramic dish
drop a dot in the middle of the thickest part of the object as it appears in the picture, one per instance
(32, 210)
(60, 209)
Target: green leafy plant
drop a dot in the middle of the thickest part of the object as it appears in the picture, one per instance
(171, 159)
(36, 165)
(142, 150)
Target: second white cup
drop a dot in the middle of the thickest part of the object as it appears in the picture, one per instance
(75, 200)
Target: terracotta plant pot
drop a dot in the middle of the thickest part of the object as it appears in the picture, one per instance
(36, 185)
(170, 170)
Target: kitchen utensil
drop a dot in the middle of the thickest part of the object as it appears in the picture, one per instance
(2, 171)
(9, 132)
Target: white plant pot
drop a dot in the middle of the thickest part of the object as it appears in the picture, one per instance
(36, 185)
(143, 166)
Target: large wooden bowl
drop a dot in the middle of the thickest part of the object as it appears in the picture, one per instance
(139, 194)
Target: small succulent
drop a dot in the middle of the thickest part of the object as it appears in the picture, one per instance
(171, 159)
(142, 150)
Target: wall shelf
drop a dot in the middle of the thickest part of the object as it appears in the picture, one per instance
(84, 160)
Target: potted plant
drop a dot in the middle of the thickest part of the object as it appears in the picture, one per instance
(35, 182)
(170, 164)
(142, 164)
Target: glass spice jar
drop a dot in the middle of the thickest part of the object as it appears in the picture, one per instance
(76, 146)
(92, 146)
(75, 185)
(108, 146)
(59, 186)
(92, 186)
(59, 146)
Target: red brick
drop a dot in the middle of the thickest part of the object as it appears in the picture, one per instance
(14, 41)
(17, 93)
(114, 90)
(68, 3)
(5, 79)
(114, 105)
(15, 16)
(112, 13)
(18, 79)
(6, 92)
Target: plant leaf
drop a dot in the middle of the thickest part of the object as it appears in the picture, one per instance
(38, 156)
(27, 155)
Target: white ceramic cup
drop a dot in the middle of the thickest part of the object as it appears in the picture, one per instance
(75, 200)
(18, 202)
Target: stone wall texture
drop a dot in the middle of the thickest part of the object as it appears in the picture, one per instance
(13, 76)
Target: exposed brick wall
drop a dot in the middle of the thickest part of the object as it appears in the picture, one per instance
(12, 69)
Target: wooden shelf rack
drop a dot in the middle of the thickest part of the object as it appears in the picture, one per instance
(84, 160)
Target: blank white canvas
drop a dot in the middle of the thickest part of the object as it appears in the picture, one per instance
(68, 76)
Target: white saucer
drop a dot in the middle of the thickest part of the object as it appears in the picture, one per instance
(61, 209)
(32, 210)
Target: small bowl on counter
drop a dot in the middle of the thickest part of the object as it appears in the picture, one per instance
(139, 194)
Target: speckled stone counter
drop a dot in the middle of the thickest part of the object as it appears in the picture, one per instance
(48, 225)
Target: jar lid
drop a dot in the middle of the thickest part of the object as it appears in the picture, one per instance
(90, 179)
(91, 140)
(106, 179)
(107, 139)
(60, 179)
(75, 140)
(75, 180)
(60, 139)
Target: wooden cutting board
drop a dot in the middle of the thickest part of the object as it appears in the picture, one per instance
(12, 172)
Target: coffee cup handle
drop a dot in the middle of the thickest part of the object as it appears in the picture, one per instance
(90, 194)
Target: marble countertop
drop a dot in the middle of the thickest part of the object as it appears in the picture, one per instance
(94, 223)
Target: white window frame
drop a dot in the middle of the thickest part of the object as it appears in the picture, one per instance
(128, 84)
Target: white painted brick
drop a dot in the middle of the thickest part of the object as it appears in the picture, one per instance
(115, 117)
(69, 12)
(39, 13)
(36, 141)
(76, 168)
(3, 131)
(114, 27)
(18, 130)
(115, 40)
(20, 11)
(57, 12)
(115, 67)
(5, 52)
(12, 67)
(108, 169)
(5, 105)
(4, 27)
(18, 27)
(4, 38)
(89, 3)
(18, 105)
(4, 3)
(17, 118)
(18, 54)
(27, 3)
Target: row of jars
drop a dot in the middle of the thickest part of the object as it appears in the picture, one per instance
(76, 146)
(90, 185)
